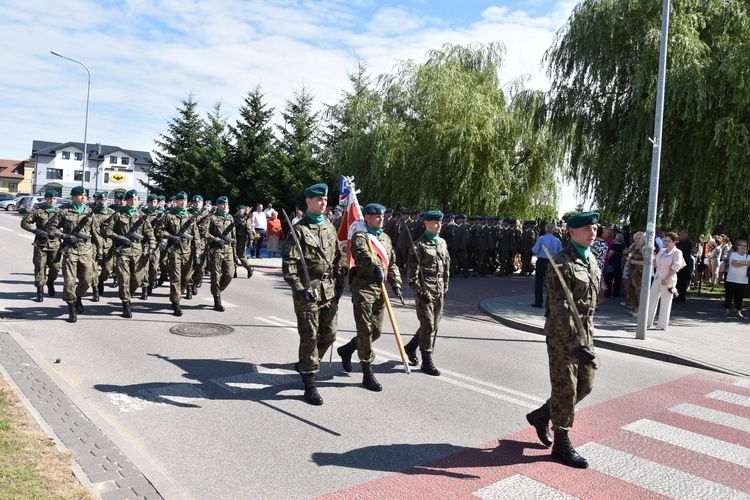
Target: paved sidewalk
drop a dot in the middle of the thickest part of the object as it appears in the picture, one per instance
(697, 335)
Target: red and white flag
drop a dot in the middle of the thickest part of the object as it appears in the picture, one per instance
(351, 222)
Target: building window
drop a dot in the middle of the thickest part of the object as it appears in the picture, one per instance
(77, 176)
(125, 160)
(106, 177)
(113, 160)
(66, 155)
(54, 173)
(12, 187)
(78, 156)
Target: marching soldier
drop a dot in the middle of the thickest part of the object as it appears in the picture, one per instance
(46, 249)
(178, 227)
(429, 273)
(103, 254)
(155, 217)
(222, 241)
(134, 243)
(572, 361)
(312, 266)
(74, 225)
(201, 214)
(374, 262)
(245, 236)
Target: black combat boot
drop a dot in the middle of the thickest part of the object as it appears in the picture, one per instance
(50, 288)
(250, 271)
(312, 395)
(79, 305)
(126, 310)
(428, 366)
(189, 292)
(563, 450)
(217, 303)
(162, 279)
(114, 282)
(150, 289)
(369, 379)
(346, 351)
(539, 419)
(411, 351)
(144, 293)
(100, 287)
(95, 293)
(72, 315)
(177, 309)
(195, 289)
(39, 294)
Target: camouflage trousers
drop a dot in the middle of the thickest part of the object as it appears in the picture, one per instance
(132, 273)
(77, 266)
(222, 270)
(199, 269)
(571, 382)
(153, 267)
(369, 308)
(43, 260)
(316, 325)
(242, 245)
(107, 266)
(180, 272)
(429, 316)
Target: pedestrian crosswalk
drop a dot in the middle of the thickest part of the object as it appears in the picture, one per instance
(689, 439)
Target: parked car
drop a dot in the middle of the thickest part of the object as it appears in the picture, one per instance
(26, 203)
(9, 205)
(7, 196)
(63, 202)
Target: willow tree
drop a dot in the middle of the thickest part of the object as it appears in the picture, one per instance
(447, 134)
(603, 67)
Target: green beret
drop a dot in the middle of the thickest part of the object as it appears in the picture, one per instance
(100, 195)
(77, 190)
(152, 197)
(50, 194)
(222, 199)
(132, 193)
(316, 190)
(118, 196)
(182, 195)
(373, 209)
(241, 207)
(171, 198)
(583, 219)
(433, 215)
(196, 197)
(161, 197)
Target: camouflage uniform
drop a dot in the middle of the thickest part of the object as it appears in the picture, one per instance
(571, 379)
(200, 256)
(367, 296)
(435, 261)
(155, 218)
(245, 237)
(103, 253)
(316, 321)
(130, 261)
(78, 258)
(46, 250)
(221, 262)
(180, 256)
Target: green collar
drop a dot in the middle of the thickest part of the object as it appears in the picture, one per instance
(317, 219)
(373, 231)
(49, 208)
(584, 252)
(432, 237)
(130, 210)
(180, 211)
(221, 214)
(78, 207)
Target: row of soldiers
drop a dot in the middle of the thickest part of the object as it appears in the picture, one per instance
(139, 247)
(478, 245)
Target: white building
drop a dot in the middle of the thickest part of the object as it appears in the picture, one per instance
(60, 165)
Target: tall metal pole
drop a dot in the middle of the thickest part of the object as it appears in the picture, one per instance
(86, 125)
(640, 332)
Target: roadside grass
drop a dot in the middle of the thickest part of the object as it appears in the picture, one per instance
(707, 291)
(30, 465)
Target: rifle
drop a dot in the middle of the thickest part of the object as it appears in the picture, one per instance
(71, 239)
(171, 246)
(131, 235)
(224, 236)
(299, 249)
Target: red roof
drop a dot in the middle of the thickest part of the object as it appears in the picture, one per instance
(8, 166)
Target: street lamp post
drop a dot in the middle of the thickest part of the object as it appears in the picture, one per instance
(86, 125)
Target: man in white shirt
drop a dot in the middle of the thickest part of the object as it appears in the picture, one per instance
(260, 223)
(268, 210)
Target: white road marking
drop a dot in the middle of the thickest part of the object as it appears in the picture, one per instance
(28, 237)
(223, 302)
(731, 397)
(692, 441)
(1, 227)
(653, 476)
(166, 395)
(274, 323)
(284, 321)
(713, 416)
(521, 487)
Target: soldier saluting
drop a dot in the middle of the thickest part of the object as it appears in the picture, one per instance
(74, 226)
(312, 266)
(570, 336)
(46, 249)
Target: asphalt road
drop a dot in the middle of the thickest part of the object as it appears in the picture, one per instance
(223, 416)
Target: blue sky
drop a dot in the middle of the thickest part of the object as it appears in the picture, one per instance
(146, 56)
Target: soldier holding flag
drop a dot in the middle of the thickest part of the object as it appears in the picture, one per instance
(374, 262)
